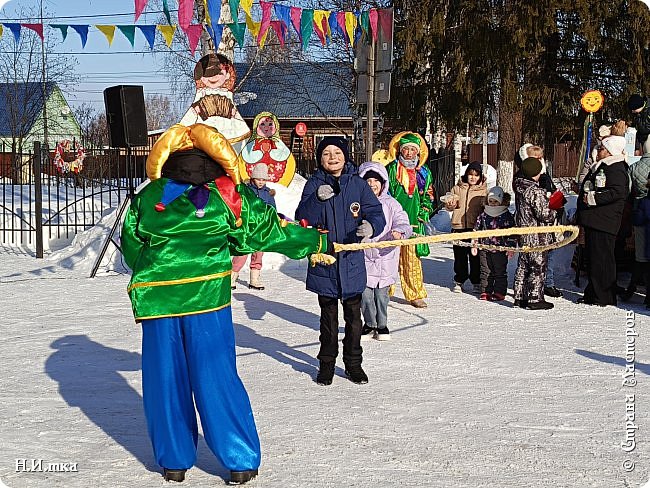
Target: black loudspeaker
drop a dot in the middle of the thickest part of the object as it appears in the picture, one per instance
(126, 115)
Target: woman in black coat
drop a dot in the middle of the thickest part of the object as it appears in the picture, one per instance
(600, 210)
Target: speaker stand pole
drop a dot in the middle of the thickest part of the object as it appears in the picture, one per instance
(125, 204)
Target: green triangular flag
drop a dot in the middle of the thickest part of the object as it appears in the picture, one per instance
(238, 30)
(62, 28)
(234, 9)
(306, 26)
(365, 25)
(129, 32)
(166, 11)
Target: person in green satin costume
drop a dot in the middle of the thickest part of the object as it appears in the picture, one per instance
(411, 184)
(178, 238)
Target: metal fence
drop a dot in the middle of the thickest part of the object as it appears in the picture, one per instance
(45, 198)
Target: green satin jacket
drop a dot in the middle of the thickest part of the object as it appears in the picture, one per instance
(419, 206)
(181, 263)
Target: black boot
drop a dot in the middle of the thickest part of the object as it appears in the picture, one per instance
(541, 305)
(241, 477)
(520, 303)
(356, 374)
(174, 474)
(551, 291)
(325, 373)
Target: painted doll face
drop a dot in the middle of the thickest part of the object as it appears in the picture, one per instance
(266, 127)
(216, 81)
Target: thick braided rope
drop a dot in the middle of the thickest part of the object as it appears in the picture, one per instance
(477, 234)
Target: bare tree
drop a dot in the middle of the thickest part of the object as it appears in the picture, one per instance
(160, 113)
(94, 128)
(21, 70)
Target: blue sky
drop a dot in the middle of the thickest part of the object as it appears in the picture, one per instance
(100, 66)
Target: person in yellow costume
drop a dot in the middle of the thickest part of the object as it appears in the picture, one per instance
(411, 184)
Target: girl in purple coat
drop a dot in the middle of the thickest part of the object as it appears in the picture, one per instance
(381, 264)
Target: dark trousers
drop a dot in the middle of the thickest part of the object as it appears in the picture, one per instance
(494, 275)
(530, 276)
(461, 257)
(329, 329)
(601, 288)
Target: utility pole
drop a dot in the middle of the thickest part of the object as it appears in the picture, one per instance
(44, 84)
(371, 101)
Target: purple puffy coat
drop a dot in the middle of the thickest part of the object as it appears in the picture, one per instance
(382, 264)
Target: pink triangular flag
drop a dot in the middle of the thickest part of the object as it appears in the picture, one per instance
(38, 28)
(386, 23)
(340, 20)
(280, 30)
(266, 20)
(139, 8)
(373, 23)
(194, 32)
(185, 12)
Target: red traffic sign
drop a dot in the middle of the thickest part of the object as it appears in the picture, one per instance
(301, 129)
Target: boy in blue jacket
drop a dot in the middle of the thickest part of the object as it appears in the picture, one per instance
(337, 200)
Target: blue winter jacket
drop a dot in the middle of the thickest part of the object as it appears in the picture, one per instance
(264, 193)
(340, 216)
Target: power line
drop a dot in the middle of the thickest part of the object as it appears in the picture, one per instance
(129, 14)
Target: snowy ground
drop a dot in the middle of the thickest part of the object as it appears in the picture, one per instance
(468, 393)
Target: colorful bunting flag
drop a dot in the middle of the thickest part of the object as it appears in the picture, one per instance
(194, 32)
(306, 26)
(15, 30)
(333, 25)
(213, 7)
(129, 32)
(38, 28)
(1, 30)
(149, 33)
(234, 9)
(296, 16)
(139, 7)
(266, 20)
(364, 21)
(386, 23)
(320, 25)
(340, 20)
(238, 30)
(372, 15)
(63, 28)
(216, 31)
(166, 12)
(167, 32)
(283, 13)
(185, 11)
(108, 31)
(246, 6)
(82, 30)
(280, 29)
(350, 27)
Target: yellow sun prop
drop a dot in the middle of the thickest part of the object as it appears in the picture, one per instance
(592, 101)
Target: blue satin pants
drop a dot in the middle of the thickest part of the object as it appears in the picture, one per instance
(194, 356)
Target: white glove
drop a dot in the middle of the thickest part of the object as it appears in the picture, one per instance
(325, 192)
(364, 229)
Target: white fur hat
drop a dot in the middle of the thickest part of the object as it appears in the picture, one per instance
(604, 130)
(523, 150)
(260, 172)
(614, 144)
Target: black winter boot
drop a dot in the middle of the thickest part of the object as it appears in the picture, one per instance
(177, 475)
(325, 373)
(541, 305)
(241, 477)
(356, 374)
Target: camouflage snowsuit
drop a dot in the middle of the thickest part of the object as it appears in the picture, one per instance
(532, 211)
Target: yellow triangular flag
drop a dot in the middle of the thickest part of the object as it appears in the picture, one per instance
(246, 6)
(207, 13)
(167, 32)
(253, 27)
(1, 30)
(350, 26)
(108, 31)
